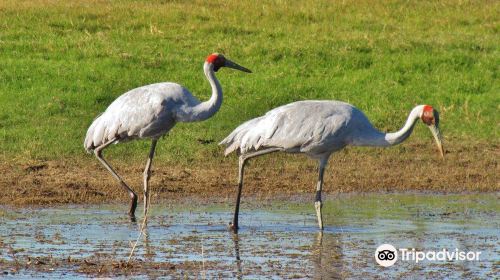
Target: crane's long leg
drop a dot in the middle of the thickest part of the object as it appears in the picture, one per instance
(133, 196)
(242, 161)
(147, 174)
(318, 204)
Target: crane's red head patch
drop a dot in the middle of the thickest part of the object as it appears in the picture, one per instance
(218, 60)
(211, 58)
(428, 115)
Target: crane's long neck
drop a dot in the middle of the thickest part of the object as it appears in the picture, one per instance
(380, 139)
(206, 109)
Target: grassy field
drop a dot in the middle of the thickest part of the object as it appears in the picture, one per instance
(64, 62)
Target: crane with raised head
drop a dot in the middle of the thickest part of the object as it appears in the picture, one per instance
(317, 129)
(150, 112)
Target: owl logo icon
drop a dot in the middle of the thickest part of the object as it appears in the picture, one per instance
(386, 255)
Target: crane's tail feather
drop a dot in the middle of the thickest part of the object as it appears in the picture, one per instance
(244, 138)
(88, 143)
(99, 133)
(233, 140)
(230, 143)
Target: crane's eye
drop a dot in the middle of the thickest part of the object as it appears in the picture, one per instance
(428, 118)
(219, 62)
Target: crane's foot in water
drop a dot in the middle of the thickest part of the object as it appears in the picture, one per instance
(232, 227)
(133, 205)
(318, 205)
(132, 218)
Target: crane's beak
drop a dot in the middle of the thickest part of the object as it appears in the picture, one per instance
(439, 139)
(233, 65)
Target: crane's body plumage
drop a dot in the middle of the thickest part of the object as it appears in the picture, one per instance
(150, 112)
(317, 129)
(145, 112)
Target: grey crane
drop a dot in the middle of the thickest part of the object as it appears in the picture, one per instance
(317, 129)
(150, 112)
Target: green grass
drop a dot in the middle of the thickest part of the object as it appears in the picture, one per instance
(63, 62)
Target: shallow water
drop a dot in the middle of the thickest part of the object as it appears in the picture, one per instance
(277, 239)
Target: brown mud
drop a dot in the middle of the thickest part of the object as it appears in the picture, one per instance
(469, 167)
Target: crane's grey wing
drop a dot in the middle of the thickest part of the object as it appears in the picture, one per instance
(305, 126)
(238, 140)
(142, 112)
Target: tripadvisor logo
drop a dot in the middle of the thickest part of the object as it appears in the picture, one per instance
(387, 255)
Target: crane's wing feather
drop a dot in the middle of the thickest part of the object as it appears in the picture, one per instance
(147, 111)
(304, 126)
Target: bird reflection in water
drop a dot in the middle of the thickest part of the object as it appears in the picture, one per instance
(236, 241)
(327, 256)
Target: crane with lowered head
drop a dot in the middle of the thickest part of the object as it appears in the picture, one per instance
(317, 129)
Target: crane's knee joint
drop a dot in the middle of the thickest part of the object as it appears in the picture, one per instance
(242, 160)
(318, 205)
(133, 197)
(318, 196)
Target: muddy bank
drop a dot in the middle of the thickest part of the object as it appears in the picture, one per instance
(412, 167)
